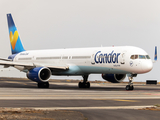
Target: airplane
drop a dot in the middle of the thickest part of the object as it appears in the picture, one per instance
(114, 63)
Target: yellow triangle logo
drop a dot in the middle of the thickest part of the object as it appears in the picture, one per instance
(13, 39)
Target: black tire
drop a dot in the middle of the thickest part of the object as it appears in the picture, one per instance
(80, 85)
(131, 87)
(128, 87)
(84, 85)
(43, 85)
(46, 84)
(39, 85)
(88, 85)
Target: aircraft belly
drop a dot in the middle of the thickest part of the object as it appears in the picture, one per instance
(80, 70)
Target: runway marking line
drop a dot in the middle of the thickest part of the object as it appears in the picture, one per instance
(101, 99)
(15, 82)
(90, 108)
(152, 93)
(125, 100)
(84, 108)
(119, 100)
(63, 95)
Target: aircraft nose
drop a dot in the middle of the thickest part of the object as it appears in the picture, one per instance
(147, 66)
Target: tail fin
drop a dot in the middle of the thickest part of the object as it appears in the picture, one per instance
(16, 45)
(155, 56)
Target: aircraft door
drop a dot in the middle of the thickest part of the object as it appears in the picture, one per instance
(93, 57)
(122, 58)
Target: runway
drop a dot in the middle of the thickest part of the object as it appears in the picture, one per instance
(101, 101)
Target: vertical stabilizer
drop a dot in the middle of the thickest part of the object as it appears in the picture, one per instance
(15, 41)
(155, 56)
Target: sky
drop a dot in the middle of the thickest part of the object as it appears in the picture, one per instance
(52, 24)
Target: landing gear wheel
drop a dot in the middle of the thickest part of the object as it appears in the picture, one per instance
(132, 87)
(80, 85)
(128, 87)
(88, 85)
(130, 84)
(84, 85)
(43, 85)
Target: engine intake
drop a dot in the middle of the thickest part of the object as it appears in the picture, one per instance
(114, 78)
(39, 74)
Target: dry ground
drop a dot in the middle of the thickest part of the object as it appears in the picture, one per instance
(31, 114)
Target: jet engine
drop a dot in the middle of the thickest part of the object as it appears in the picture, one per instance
(114, 78)
(39, 74)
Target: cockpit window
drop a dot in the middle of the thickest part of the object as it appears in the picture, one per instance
(147, 56)
(142, 57)
(139, 57)
(134, 57)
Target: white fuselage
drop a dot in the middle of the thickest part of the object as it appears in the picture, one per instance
(108, 60)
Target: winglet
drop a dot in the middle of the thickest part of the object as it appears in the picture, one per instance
(155, 56)
(16, 45)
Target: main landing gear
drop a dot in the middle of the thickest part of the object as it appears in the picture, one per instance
(84, 84)
(43, 85)
(130, 84)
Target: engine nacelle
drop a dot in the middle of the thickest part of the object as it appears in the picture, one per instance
(114, 78)
(39, 74)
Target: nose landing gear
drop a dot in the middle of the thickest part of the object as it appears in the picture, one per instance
(130, 84)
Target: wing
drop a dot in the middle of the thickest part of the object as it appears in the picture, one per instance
(5, 59)
(29, 65)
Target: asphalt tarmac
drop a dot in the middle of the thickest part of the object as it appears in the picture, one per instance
(101, 101)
